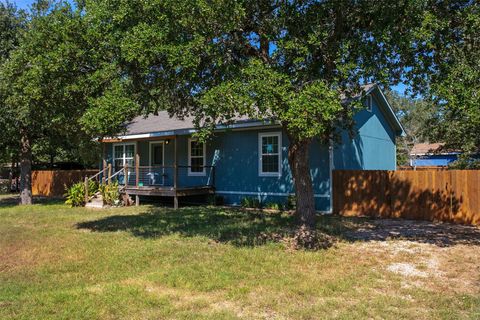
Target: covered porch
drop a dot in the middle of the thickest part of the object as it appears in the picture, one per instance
(169, 166)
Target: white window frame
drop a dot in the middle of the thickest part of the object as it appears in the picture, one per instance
(369, 102)
(260, 154)
(124, 158)
(198, 174)
(150, 158)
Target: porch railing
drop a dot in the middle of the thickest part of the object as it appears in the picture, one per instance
(167, 176)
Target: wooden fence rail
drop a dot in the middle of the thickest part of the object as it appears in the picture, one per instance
(51, 183)
(434, 195)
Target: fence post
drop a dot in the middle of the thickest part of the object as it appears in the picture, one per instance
(86, 189)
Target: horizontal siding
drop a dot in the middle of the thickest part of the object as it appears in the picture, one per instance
(235, 157)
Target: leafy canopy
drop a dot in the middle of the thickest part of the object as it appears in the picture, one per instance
(217, 60)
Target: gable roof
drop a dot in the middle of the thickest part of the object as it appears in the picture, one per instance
(163, 124)
(387, 109)
(422, 149)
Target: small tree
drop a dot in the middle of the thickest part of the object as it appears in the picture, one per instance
(42, 84)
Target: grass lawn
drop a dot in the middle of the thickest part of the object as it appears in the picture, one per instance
(210, 263)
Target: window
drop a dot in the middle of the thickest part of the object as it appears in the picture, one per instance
(270, 154)
(369, 102)
(123, 154)
(196, 158)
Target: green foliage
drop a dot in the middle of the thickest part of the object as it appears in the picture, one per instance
(216, 200)
(448, 69)
(110, 193)
(465, 162)
(75, 195)
(291, 203)
(273, 206)
(416, 116)
(4, 186)
(249, 202)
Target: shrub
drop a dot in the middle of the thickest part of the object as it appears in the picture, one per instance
(250, 203)
(273, 206)
(110, 194)
(4, 186)
(76, 193)
(291, 203)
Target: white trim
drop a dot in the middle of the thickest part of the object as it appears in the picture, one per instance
(150, 153)
(196, 174)
(402, 129)
(260, 154)
(124, 144)
(259, 193)
(369, 103)
(236, 126)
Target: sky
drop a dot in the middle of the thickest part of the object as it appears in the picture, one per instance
(24, 4)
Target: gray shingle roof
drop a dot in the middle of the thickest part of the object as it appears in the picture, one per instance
(158, 123)
(163, 121)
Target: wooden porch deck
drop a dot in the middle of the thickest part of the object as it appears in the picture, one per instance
(169, 191)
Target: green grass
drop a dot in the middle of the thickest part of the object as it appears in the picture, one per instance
(195, 263)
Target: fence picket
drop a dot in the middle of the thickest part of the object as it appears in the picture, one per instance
(435, 195)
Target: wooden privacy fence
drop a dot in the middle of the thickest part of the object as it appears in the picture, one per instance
(51, 183)
(435, 195)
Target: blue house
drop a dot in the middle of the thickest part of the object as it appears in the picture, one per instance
(432, 155)
(157, 156)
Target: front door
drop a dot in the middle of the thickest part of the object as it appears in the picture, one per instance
(156, 176)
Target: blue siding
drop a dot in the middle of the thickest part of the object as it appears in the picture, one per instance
(237, 169)
(235, 157)
(434, 160)
(372, 148)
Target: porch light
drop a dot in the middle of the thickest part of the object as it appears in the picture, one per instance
(167, 141)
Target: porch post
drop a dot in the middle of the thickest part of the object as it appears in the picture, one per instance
(103, 169)
(175, 175)
(109, 173)
(86, 189)
(126, 174)
(137, 169)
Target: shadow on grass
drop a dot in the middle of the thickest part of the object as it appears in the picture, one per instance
(252, 228)
(12, 200)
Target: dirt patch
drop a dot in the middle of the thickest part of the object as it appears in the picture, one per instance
(440, 234)
(406, 269)
(424, 265)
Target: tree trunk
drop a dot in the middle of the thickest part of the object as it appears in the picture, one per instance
(25, 171)
(298, 158)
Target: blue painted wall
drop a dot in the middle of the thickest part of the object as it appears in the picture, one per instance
(235, 157)
(372, 148)
(434, 160)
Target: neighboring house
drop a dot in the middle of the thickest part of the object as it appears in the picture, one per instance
(247, 159)
(432, 155)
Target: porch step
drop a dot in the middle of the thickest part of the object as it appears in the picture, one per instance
(96, 203)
